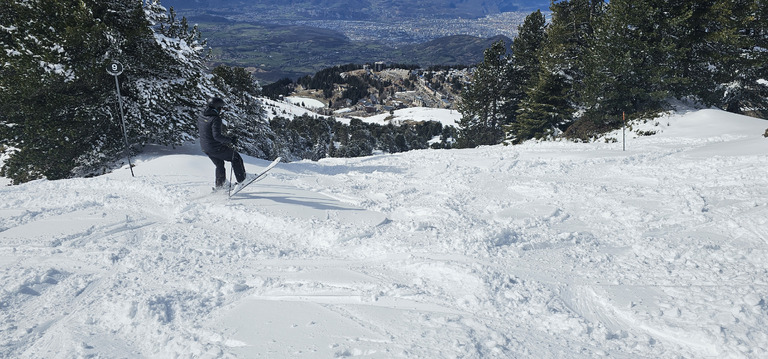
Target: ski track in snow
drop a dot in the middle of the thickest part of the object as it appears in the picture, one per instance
(544, 250)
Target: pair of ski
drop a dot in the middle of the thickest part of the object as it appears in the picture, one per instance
(258, 177)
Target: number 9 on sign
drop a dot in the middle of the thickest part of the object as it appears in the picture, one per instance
(115, 68)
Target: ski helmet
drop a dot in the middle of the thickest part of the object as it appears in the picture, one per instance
(216, 102)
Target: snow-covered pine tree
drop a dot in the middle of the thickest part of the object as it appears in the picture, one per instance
(166, 81)
(645, 53)
(52, 98)
(361, 142)
(625, 67)
(552, 99)
(525, 48)
(525, 66)
(483, 100)
(544, 109)
(737, 41)
(59, 110)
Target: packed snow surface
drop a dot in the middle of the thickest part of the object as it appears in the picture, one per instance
(543, 250)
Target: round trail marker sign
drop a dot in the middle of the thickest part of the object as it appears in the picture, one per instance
(115, 68)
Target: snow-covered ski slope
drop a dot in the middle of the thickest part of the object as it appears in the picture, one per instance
(543, 250)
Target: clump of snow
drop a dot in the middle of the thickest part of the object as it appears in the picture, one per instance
(58, 69)
(542, 250)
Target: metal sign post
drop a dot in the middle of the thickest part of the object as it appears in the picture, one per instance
(115, 68)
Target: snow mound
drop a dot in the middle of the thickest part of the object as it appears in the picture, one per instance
(543, 250)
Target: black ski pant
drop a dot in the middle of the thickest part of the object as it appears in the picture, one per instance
(222, 154)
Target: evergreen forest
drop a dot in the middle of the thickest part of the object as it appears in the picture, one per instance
(596, 62)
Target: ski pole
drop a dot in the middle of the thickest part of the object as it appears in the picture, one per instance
(231, 171)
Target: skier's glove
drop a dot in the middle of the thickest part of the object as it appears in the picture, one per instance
(234, 141)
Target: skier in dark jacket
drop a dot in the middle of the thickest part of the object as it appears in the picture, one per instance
(217, 146)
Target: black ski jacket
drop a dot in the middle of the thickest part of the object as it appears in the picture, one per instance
(209, 126)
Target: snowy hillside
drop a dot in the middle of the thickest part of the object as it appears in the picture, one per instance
(292, 107)
(543, 250)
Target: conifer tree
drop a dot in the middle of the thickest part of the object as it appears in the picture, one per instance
(553, 97)
(524, 68)
(647, 52)
(525, 48)
(546, 107)
(58, 103)
(51, 104)
(685, 21)
(630, 66)
(482, 102)
(568, 38)
(736, 41)
(165, 70)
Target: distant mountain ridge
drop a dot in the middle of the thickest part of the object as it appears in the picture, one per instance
(292, 38)
(371, 9)
(277, 51)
